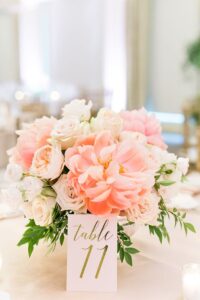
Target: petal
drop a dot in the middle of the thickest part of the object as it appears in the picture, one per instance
(102, 140)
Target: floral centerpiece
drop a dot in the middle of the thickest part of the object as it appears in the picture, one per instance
(114, 163)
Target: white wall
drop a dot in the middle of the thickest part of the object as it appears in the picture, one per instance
(77, 42)
(9, 62)
(175, 24)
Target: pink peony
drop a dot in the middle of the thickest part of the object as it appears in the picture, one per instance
(31, 137)
(141, 121)
(112, 177)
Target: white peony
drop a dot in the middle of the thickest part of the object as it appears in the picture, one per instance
(107, 120)
(12, 197)
(13, 172)
(66, 197)
(42, 209)
(31, 187)
(48, 162)
(66, 131)
(79, 109)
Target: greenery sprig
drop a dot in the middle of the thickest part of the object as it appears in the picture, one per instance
(125, 247)
(179, 218)
(56, 231)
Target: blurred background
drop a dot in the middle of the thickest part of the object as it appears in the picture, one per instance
(119, 53)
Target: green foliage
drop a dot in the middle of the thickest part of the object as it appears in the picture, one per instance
(56, 231)
(125, 247)
(179, 218)
(193, 54)
(164, 171)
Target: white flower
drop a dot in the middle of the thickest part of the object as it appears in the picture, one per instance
(31, 187)
(42, 208)
(183, 165)
(162, 157)
(47, 162)
(12, 197)
(144, 212)
(85, 128)
(107, 120)
(27, 210)
(13, 172)
(66, 197)
(78, 108)
(167, 192)
(66, 131)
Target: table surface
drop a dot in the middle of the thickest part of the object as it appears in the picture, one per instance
(156, 274)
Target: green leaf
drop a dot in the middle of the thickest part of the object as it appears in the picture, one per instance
(151, 229)
(169, 171)
(62, 237)
(158, 233)
(132, 250)
(166, 182)
(127, 243)
(128, 258)
(119, 227)
(184, 215)
(23, 241)
(121, 254)
(30, 249)
(118, 246)
(190, 227)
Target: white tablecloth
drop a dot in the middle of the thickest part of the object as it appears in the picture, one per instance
(156, 274)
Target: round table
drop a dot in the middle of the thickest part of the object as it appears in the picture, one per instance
(156, 274)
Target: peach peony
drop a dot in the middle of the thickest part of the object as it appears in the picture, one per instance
(112, 177)
(31, 137)
(141, 121)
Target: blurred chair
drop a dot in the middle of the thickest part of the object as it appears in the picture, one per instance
(7, 141)
(29, 111)
(191, 127)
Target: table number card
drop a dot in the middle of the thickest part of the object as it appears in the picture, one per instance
(92, 253)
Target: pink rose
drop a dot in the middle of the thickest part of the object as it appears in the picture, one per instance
(31, 137)
(47, 162)
(141, 121)
(111, 176)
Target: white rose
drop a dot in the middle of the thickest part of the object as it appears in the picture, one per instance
(12, 197)
(66, 197)
(183, 165)
(66, 131)
(107, 120)
(48, 162)
(31, 187)
(79, 109)
(144, 212)
(85, 128)
(42, 208)
(13, 172)
(168, 192)
(27, 210)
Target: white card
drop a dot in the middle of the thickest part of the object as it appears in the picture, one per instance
(92, 253)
